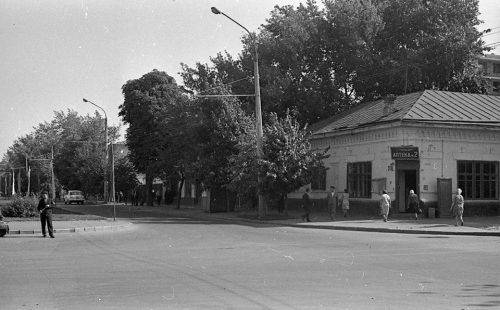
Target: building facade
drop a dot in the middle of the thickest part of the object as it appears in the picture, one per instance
(431, 142)
(490, 71)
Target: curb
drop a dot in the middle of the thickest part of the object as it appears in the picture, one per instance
(70, 230)
(400, 231)
(364, 229)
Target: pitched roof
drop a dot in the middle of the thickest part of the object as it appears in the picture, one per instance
(428, 106)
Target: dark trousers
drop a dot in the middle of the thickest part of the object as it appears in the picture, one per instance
(46, 219)
(307, 213)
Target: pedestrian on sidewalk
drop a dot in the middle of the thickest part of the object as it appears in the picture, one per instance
(306, 205)
(45, 209)
(345, 202)
(158, 197)
(457, 208)
(332, 201)
(385, 205)
(413, 204)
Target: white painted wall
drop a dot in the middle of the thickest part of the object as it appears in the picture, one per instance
(439, 147)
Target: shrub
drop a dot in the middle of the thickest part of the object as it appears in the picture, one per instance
(21, 207)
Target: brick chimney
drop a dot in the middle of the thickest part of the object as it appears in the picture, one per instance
(389, 104)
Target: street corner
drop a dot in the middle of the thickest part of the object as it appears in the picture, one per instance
(27, 228)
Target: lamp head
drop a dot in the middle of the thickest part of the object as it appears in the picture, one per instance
(215, 10)
(85, 100)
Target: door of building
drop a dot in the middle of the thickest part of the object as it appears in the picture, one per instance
(444, 197)
(407, 178)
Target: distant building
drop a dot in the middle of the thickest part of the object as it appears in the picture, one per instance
(490, 68)
(430, 141)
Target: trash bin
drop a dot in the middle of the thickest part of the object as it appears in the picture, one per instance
(432, 213)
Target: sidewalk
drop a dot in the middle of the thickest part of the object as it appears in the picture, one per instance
(65, 222)
(475, 226)
(33, 227)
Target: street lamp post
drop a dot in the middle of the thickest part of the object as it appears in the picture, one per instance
(113, 181)
(106, 148)
(258, 109)
(112, 162)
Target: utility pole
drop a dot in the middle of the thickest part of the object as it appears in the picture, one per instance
(53, 185)
(106, 196)
(19, 181)
(13, 182)
(406, 78)
(28, 174)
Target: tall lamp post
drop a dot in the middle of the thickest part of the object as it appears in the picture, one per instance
(106, 148)
(112, 162)
(258, 109)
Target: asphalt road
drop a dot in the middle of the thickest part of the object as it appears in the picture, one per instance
(188, 264)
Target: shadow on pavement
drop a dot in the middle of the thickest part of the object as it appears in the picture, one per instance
(434, 237)
(36, 236)
(437, 225)
(176, 220)
(482, 290)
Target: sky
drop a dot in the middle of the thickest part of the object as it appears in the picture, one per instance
(54, 53)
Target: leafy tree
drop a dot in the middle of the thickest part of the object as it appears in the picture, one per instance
(423, 45)
(78, 144)
(125, 175)
(288, 160)
(179, 160)
(317, 62)
(149, 105)
(221, 125)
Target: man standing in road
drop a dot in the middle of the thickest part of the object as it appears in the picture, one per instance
(45, 209)
(331, 200)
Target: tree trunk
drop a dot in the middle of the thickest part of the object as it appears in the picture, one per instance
(149, 188)
(181, 185)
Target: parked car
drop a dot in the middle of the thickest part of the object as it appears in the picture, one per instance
(74, 196)
(4, 227)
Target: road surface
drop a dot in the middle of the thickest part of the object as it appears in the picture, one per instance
(179, 263)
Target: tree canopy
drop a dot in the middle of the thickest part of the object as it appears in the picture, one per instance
(287, 162)
(78, 144)
(316, 62)
(150, 105)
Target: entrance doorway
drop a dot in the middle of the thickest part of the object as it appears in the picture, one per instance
(407, 178)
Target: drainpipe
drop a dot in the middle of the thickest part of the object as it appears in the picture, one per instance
(442, 158)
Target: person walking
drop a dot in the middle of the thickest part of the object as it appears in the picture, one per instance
(385, 205)
(332, 201)
(45, 209)
(345, 202)
(457, 208)
(413, 203)
(306, 205)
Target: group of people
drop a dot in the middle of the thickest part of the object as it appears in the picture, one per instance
(456, 208)
(333, 201)
(414, 205)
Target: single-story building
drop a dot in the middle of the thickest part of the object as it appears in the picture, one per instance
(430, 141)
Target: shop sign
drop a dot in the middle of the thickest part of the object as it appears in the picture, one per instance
(404, 153)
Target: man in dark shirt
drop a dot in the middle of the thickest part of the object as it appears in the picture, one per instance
(45, 209)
